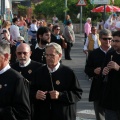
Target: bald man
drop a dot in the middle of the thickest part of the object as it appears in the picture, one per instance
(25, 65)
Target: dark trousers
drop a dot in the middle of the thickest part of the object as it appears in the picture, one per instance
(112, 115)
(67, 50)
(85, 38)
(99, 111)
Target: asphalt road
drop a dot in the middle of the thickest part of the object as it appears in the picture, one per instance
(84, 107)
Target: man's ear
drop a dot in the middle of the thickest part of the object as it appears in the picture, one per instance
(7, 56)
(60, 55)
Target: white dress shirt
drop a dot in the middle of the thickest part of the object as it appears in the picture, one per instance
(33, 27)
(95, 38)
(54, 69)
(14, 32)
(5, 69)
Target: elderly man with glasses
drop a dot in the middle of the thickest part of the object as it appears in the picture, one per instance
(24, 64)
(94, 68)
(55, 90)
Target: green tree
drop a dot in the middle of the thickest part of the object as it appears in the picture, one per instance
(51, 7)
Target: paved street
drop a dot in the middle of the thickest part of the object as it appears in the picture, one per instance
(84, 108)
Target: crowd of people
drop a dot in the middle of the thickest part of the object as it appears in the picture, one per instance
(102, 49)
(34, 84)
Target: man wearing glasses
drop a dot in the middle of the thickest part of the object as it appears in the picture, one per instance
(55, 90)
(93, 69)
(111, 95)
(56, 35)
(25, 65)
(14, 94)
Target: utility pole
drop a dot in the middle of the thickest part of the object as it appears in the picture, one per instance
(65, 7)
(2, 8)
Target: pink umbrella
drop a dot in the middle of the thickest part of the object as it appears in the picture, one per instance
(108, 8)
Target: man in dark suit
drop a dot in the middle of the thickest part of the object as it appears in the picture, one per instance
(55, 90)
(25, 65)
(93, 69)
(14, 93)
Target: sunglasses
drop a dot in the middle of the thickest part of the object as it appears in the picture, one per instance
(19, 53)
(116, 41)
(105, 39)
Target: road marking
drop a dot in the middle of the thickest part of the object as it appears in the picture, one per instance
(91, 112)
(77, 118)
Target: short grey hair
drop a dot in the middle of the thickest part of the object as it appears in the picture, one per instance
(88, 19)
(4, 47)
(56, 46)
(105, 32)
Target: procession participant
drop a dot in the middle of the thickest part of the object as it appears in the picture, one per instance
(55, 90)
(14, 94)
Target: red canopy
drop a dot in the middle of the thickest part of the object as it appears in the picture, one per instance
(108, 8)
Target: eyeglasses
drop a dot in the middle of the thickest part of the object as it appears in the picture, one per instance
(50, 55)
(116, 41)
(19, 53)
(105, 39)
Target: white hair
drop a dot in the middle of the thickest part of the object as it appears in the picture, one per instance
(88, 19)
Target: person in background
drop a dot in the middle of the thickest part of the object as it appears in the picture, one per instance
(56, 36)
(14, 92)
(50, 26)
(22, 22)
(69, 36)
(15, 33)
(20, 40)
(87, 28)
(93, 69)
(14, 29)
(43, 38)
(55, 90)
(55, 20)
(67, 18)
(100, 27)
(5, 34)
(33, 31)
(92, 41)
(111, 80)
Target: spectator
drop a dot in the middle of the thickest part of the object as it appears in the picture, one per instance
(55, 20)
(69, 36)
(87, 28)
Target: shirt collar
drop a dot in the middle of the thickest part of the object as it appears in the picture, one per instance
(27, 63)
(37, 46)
(54, 69)
(5, 69)
(105, 51)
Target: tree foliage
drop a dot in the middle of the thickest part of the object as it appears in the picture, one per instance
(50, 7)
